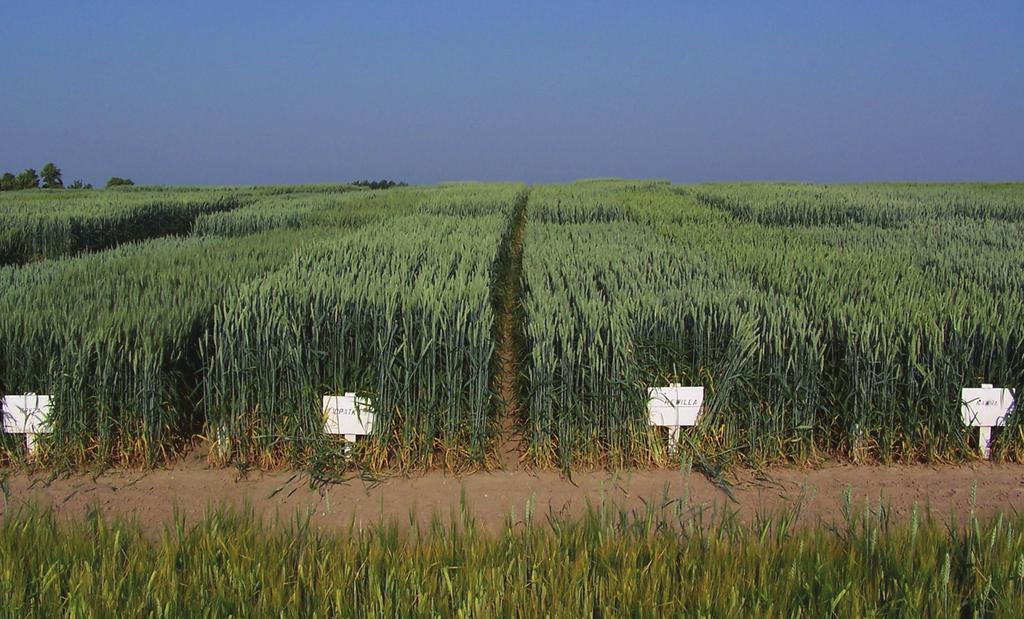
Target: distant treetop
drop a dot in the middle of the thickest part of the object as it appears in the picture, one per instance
(117, 181)
(51, 175)
(27, 179)
(381, 184)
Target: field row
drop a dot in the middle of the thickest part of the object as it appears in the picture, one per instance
(45, 224)
(239, 329)
(671, 561)
(809, 334)
(820, 320)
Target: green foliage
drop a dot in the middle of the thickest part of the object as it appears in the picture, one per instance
(845, 337)
(27, 179)
(883, 204)
(114, 337)
(8, 182)
(607, 563)
(277, 190)
(381, 184)
(117, 181)
(309, 208)
(37, 225)
(822, 320)
(51, 176)
(399, 311)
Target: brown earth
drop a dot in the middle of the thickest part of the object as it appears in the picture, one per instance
(190, 486)
(509, 373)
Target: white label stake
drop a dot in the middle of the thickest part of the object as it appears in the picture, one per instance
(984, 409)
(348, 415)
(674, 406)
(26, 414)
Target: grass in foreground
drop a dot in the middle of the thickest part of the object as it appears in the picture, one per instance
(667, 562)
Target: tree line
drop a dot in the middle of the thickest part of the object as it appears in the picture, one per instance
(50, 177)
(381, 184)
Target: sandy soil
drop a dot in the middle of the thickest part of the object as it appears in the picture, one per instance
(190, 486)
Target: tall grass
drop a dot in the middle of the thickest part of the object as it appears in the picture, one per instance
(875, 204)
(114, 338)
(399, 312)
(822, 320)
(50, 224)
(838, 338)
(311, 209)
(660, 563)
(44, 224)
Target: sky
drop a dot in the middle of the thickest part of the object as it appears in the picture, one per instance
(274, 92)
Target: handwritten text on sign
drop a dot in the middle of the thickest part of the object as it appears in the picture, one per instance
(347, 414)
(986, 407)
(675, 405)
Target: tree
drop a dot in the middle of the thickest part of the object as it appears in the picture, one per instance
(7, 182)
(27, 179)
(116, 181)
(381, 184)
(78, 184)
(51, 177)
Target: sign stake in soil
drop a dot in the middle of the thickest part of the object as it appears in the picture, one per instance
(27, 414)
(985, 408)
(673, 407)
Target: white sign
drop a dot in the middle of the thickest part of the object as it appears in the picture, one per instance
(348, 415)
(674, 406)
(26, 414)
(985, 408)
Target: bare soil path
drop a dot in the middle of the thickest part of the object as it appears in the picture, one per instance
(190, 486)
(508, 375)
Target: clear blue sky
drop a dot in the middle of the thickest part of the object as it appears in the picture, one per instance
(241, 92)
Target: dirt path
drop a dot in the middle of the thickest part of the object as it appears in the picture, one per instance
(509, 346)
(191, 487)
